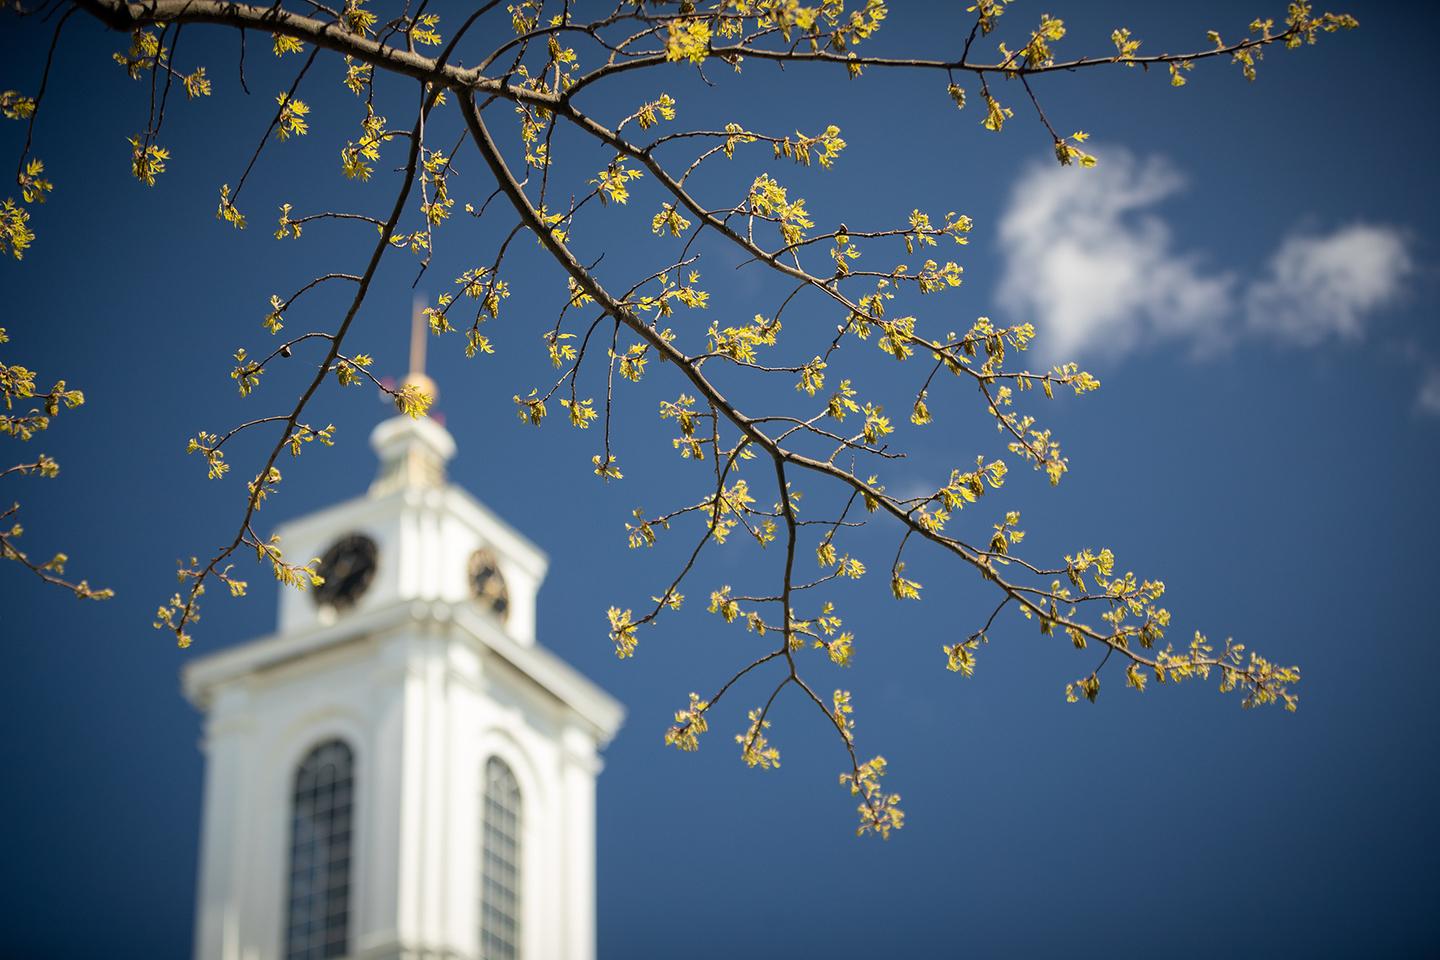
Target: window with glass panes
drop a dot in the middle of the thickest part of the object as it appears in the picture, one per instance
(318, 901)
(500, 864)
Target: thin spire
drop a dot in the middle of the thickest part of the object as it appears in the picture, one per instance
(413, 453)
(419, 332)
(417, 337)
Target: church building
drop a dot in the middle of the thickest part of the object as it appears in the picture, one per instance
(401, 770)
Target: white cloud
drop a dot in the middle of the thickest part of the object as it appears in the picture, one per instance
(1087, 258)
(1321, 286)
(1095, 269)
(1428, 400)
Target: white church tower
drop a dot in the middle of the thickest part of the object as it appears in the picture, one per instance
(400, 770)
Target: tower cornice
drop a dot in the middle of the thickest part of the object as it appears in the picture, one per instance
(603, 714)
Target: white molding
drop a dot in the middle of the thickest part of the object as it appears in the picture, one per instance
(600, 711)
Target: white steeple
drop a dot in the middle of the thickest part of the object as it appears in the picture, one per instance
(401, 770)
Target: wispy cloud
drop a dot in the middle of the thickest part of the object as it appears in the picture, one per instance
(1095, 269)
(1091, 262)
(1428, 400)
(1323, 286)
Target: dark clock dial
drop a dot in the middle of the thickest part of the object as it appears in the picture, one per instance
(348, 567)
(486, 584)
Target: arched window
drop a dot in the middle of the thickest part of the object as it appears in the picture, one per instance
(500, 864)
(317, 916)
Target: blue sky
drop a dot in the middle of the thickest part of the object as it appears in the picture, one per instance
(1250, 272)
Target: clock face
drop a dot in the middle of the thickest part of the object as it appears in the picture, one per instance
(348, 567)
(486, 584)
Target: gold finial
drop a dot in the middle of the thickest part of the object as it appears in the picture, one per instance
(418, 332)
